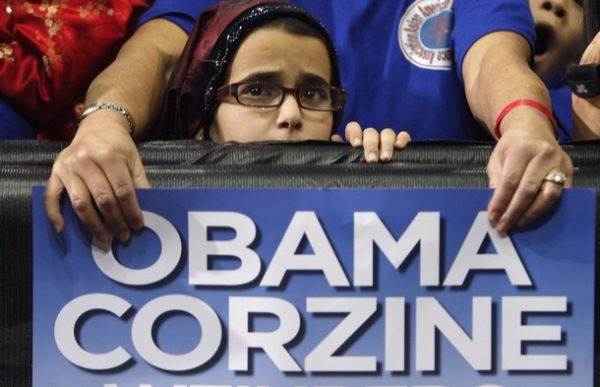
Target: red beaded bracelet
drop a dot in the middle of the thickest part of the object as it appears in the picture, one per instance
(524, 102)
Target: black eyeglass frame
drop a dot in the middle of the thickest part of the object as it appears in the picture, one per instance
(232, 90)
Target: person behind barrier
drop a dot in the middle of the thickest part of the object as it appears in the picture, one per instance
(262, 71)
(49, 53)
(437, 68)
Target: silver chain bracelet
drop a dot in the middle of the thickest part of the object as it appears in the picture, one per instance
(108, 105)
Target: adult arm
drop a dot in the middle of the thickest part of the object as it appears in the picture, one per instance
(496, 72)
(101, 168)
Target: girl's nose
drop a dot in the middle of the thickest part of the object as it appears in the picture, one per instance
(290, 116)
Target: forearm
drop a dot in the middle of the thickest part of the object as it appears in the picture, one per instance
(138, 77)
(496, 73)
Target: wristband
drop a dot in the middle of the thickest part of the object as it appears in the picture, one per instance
(108, 105)
(524, 102)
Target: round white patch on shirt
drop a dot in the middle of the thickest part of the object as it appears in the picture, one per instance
(424, 34)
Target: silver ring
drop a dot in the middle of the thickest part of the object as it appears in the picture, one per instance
(556, 177)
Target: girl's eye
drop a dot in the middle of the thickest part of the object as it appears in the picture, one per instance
(256, 90)
(315, 93)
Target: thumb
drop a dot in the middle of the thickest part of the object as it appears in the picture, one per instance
(138, 173)
(494, 170)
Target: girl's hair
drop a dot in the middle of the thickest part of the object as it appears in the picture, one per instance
(591, 19)
(294, 26)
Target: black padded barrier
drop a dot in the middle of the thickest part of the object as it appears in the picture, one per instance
(24, 164)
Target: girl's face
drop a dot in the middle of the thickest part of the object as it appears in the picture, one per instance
(559, 34)
(275, 57)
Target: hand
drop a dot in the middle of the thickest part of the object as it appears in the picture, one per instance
(586, 112)
(99, 170)
(523, 157)
(586, 118)
(378, 146)
(592, 51)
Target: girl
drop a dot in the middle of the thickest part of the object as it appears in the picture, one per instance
(260, 71)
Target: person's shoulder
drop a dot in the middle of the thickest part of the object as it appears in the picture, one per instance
(181, 12)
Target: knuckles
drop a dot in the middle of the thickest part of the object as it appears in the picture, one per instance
(104, 201)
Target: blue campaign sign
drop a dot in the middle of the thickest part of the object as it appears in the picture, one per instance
(317, 287)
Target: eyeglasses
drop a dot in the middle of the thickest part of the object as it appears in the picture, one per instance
(322, 98)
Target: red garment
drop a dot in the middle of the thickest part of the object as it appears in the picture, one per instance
(50, 51)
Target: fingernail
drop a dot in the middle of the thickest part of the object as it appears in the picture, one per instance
(103, 238)
(356, 141)
(494, 216)
(102, 244)
(124, 237)
(386, 155)
(502, 226)
(372, 157)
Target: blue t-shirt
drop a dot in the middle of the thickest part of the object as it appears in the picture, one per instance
(560, 94)
(401, 61)
(181, 12)
(563, 111)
